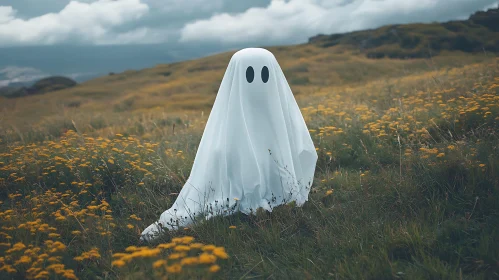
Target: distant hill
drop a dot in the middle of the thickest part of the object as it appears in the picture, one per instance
(42, 86)
(479, 33)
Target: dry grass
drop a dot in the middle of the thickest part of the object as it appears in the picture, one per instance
(176, 88)
(406, 183)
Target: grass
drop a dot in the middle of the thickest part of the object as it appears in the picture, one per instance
(191, 87)
(406, 185)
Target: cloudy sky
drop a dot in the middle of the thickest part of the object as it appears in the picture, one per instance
(95, 36)
(103, 22)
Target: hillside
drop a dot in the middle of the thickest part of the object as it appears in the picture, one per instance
(191, 86)
(406, 187)
(478, 34)
(49, 84)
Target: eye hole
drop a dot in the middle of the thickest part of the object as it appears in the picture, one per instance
(265, 74)
(250, 74)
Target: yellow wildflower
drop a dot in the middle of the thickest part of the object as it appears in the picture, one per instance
(159, 263)
(174, 268)
(118, 263)
(220, 252)
(214, 268)
(206, 258)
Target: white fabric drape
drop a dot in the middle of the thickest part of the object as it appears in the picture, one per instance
(255, 151)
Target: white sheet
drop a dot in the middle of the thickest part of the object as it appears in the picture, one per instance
(255, 151)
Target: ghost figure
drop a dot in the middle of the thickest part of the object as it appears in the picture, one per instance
(255, 151)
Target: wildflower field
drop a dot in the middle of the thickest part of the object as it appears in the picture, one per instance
(406, 187)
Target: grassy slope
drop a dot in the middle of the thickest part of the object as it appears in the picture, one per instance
(406, 185)
(101, 104)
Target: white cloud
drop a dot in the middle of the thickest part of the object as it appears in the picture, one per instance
(14, 74)
(186, 7)
(295, 20)
(95, 23)
(6, 14)
(99, 22)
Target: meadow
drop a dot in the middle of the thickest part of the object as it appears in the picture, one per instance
(406, 184)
